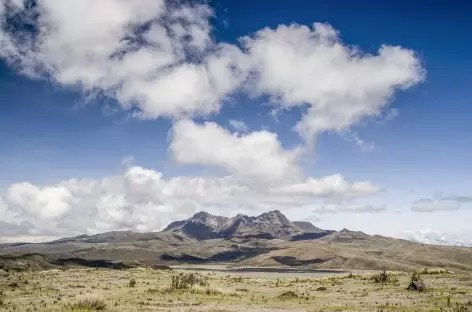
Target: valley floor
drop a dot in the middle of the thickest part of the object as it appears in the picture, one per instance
(221, 290)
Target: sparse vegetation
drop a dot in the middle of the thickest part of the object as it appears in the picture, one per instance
(205, 290)
(415, 276)
(457, 307)
(90, 303)
(187, 281)
(384, 277)
(132, 283)
(156, 290)
(288, 295)
(416, 282)
(433, 271)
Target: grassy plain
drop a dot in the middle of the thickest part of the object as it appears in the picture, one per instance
(220, 291)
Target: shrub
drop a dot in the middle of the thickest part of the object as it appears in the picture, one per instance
(289, 295)
(322, 288)
(382, 277)
(187, 281)
(90, 302)
(132, 283)
(415, 276)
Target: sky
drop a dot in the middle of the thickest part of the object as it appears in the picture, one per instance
(130, 114)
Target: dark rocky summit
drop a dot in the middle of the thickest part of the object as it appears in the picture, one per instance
(269, 225)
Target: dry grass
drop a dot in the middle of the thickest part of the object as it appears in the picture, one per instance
(89, 302)
(433, 271)
(163, 291)
(288, 295)
(205, 290)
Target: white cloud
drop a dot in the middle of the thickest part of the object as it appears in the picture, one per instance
(47, 203)
(148, 54)
(440, 202)
(157, 58)
(330, 186)
(238, 126)
(429, 236)
(140, 200)
(298, 65)
(161, 59)
(256, 156)
(364, 145)
(345, 208)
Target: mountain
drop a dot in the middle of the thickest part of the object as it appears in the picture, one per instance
(269, 239)
(352, 249)
(269, 225)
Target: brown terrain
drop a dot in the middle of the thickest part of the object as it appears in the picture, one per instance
(268, 240)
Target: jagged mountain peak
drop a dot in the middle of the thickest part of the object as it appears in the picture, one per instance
(275, 216)
(201, 215)
(269, 225)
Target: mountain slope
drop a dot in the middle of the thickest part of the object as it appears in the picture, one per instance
(356, 250)
(269, 239)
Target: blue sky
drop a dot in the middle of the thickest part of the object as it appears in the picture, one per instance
(416, 149)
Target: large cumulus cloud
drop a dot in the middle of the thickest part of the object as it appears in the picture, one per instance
(159, 58)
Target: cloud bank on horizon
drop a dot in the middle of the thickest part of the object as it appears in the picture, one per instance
(160, 60)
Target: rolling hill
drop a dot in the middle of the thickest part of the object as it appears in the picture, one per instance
(269, 239)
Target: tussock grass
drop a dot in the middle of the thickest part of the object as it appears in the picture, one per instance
(89, 303)
(433, 271)
(288, 295)
(205, 290)
(195, 284)
(173, 291)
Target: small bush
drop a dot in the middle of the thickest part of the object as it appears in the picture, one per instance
(187, 281)
(289, 295)
(89, 302)
(195, 284)
(322, 288)
(132, 283)
(383, 277)
(415, 276)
